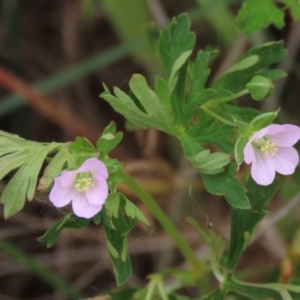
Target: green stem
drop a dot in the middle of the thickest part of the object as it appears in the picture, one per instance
(216, 116)
(163, 219)
(51, 278)
(215, 101)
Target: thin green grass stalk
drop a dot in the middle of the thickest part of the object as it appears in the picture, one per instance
(49, 277)
(165, 222)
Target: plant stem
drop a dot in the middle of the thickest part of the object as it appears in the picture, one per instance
(163, 219)
(214, 101)
(216, 116)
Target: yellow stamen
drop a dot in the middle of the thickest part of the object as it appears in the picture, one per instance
(268, 148)
(84, 184)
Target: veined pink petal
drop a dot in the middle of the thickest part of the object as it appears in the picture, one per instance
(262, 169)
(287, 136)
(67, 178)
(82, 207)
(249, 153)
(99, 192)
(61, 196)
(285, 160)
(95, 166)
(259, 134)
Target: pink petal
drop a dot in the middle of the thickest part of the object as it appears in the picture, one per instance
(82, 207)
(287, 136)
(262, 169)
(285, 160)
(259, 134)
(249, 153)
(67, 178)
(95, 166)
(99, 192)
(61, 196)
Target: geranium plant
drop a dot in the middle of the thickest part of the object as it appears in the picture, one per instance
(216, 136)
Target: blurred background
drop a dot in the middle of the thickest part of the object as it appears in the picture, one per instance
(54, 57)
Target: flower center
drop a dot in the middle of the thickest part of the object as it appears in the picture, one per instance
(84, 182)
(267, 147)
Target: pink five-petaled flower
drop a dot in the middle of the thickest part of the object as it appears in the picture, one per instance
(270, 150)
(86, 187)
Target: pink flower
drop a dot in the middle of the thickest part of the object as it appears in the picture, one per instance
(85, 187)
(270, 150)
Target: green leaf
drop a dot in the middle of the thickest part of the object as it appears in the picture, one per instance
(82, 145)
(263, 291)
(243, 129)
(263, 120)
(112, 205)
(23, 184)
(196, 94)
(223, 184)
(134, 213)
(243, 222)
(178, 96)
(255, 15)
(69, 221)
(245, 114)
(81, 149)
(294, 6)
(153, 114)
(178, 64)
(109, 139)
(217, 134)
(213, 239)
(121, 294)
(239, 150)
(54, 168)
(162, 91)
(175, 41)
(269, 54)
(244, 63)
(116, 240)
(273, 74)
(210, 163)
(215, 295)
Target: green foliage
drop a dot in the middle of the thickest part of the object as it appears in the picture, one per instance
(256, 14)
(294, 6)
(235, 79)
(243, 222)
(197, 94)
(210, 163)
(150, 112)
(216, 134)
(238, 150)
(116, 241)
(200, 116)
(263, 120)
(212, 238)
(119, 216)
(263, 291)
(69, 221)
(28, 158)
(109, 139)
(175, 41)
(224, 184)
(54, 168)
